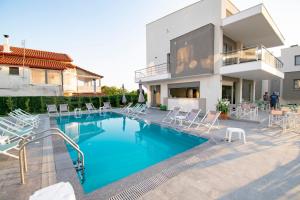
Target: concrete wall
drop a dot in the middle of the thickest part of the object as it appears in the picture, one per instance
(291, 71)
(210, 89)
(20, 85)
(289, 94)
(160, 32)
(288, 58)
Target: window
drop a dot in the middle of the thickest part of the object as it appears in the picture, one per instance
(184, 90)
(14, 71)
(38, 76)
(297, 84)
(297, 60)
(54, 77)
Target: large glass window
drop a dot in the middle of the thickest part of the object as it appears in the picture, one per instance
(54, 77)
(297, 60)
(38, 76)
(184, 90)
(297, 84)
(184, 93)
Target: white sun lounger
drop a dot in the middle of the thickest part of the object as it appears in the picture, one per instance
(189, 119)
(52, 110)
(141, 110)
(14, 131)
(125, 109)
(171, 116)
(4, 148)
(90, 107)
(26, 114)
(31, 121)
(209, 120)
(106, 106)
(59, 191)
(134, 108)
(64, 109)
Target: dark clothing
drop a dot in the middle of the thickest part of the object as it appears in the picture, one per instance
(266, 97)
(273, 100)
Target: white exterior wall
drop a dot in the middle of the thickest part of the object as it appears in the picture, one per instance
(210, 89)
(288, 58)
(20, 85)
(70, 80)
(160, 32)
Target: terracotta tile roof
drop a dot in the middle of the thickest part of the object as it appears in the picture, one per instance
(89, 72)
(35, 63)
(31, 53)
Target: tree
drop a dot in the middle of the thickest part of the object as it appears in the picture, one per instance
(110, 91)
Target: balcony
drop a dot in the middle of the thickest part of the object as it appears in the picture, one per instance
(255, 63)
(253, 26)
(87, 89)
(153, 73)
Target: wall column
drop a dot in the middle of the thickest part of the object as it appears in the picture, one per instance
(149, 95)
(239, 91)
(253, 90)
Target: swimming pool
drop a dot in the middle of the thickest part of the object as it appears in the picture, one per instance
(116, 146)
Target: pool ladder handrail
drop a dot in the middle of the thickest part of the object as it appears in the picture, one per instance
(25, 141)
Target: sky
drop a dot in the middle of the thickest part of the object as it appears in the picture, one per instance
(108, 37)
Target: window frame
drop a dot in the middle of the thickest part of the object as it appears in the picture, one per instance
(12, 74)
(294, 84)
(296, 60)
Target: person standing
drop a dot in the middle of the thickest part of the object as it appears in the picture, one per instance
(273, 100)
(266, 99)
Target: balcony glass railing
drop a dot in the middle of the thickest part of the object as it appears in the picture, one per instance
(251, 54)
(151, 71)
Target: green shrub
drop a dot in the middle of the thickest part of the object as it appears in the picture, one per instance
(163, 107)
(37, 104)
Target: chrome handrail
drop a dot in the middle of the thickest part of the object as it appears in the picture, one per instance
(22, 149)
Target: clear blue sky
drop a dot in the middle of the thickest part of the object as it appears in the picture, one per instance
(108, 36)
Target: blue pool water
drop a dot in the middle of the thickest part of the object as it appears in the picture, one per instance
(116, 146)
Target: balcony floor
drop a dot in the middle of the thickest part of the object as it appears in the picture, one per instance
(255, 70)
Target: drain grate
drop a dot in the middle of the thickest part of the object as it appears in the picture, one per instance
(151, 183)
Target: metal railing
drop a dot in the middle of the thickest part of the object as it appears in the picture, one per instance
(25, 141)
(151, 71)
(258, 53)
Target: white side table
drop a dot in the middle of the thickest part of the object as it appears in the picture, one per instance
(4, 139)
(239, 131)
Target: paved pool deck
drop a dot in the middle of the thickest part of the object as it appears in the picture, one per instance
(266, 167)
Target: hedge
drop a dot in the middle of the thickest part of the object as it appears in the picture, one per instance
(37, 104)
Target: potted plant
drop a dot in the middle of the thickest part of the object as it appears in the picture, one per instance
(163, 107)
(223, 107)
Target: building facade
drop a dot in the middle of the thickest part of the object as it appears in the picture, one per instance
(208, 51)
(289, 87)
(29, 72)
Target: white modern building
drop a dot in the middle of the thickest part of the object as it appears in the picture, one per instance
(29, 72)
(289, 87)
(208, 51)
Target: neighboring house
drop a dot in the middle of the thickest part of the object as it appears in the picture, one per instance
(289, 88)
(208, 51)
(28, 72)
